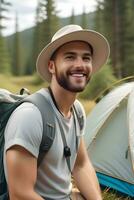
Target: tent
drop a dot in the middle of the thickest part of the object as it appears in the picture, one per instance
(109, 139)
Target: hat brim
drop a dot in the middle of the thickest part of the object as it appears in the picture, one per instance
(99, 43)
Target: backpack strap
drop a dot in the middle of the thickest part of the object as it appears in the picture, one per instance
(79, 113)
(79, 117)
(48, 124)
(48, 135)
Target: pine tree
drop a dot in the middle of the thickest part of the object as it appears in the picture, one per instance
(84, 19)
(128, 40)
(99, 22)
(4, 56)
(37, 34)
(113, 26)
(16, 70)
(116, 24)
(47, 23)
(72, 17)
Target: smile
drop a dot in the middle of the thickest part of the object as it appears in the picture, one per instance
(78, 74)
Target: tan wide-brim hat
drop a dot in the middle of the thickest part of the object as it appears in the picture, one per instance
(70, 33)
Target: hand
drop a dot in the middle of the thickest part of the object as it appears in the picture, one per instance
(76, 195)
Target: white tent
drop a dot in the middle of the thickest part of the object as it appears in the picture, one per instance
(110, 139)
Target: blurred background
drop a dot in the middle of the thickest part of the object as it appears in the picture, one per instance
(27, 26)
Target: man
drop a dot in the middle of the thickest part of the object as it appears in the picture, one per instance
(67, 63)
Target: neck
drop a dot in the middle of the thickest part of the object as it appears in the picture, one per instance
(64, 99)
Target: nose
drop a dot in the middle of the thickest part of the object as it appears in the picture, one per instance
(79, 62)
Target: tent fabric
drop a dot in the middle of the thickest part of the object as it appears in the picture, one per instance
(104, 108)
(109, 134)
(116, 184)
(131, 124)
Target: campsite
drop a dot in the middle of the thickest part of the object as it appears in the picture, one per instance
(109, 139)
(15, 83)
(27, 26)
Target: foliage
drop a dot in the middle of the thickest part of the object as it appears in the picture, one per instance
(128, 60)
(98, 83)
(30, 46)
(84, 19)
(114, 20)
(4, 56)
(99, 17)
(47, 23)
(88, 105)
(16, 57)
(72, 17)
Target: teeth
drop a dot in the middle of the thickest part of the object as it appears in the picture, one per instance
(78, 75)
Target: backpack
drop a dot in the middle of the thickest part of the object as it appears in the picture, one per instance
(8, 103)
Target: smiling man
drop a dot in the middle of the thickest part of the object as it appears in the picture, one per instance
(73, 65)
(67, 63)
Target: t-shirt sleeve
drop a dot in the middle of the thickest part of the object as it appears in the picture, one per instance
(25, 128)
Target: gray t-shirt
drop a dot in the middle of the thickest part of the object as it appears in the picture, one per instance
(25, 128)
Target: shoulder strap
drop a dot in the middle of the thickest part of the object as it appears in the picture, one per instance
(48, 122)
(79, 113)
(67, 151)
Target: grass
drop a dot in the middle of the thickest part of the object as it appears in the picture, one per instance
(112, 195)
(14, 84)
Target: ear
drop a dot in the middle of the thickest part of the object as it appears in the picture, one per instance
(51, 66)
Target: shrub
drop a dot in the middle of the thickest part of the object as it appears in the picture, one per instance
(99, 82)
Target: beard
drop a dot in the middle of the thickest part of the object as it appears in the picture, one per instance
(64, 81)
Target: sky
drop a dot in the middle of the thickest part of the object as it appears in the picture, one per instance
(25, 10)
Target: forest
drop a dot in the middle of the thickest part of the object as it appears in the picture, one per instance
(19, 51)
(114, 19)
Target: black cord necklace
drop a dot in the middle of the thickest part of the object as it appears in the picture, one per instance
(67, 150)
(52, 96)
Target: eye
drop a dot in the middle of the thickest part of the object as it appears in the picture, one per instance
(70, 57)
(87, 58)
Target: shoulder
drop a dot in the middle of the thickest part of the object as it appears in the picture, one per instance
(27, 115)
(26, 112)
(24, 128)
(26, 107)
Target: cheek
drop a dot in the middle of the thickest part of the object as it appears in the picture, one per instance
(90, 69)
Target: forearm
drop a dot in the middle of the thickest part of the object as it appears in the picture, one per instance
(25, 195)
(87, 182)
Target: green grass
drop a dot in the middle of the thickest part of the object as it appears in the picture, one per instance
(112, 195)
(14, 84)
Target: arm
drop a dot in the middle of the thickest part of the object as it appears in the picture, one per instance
(22, 172)
(85, 176)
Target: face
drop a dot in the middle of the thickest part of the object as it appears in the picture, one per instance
(73, 66)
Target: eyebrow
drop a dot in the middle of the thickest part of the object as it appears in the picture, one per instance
(73, 53)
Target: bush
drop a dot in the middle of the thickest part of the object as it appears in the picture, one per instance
(99, 82)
